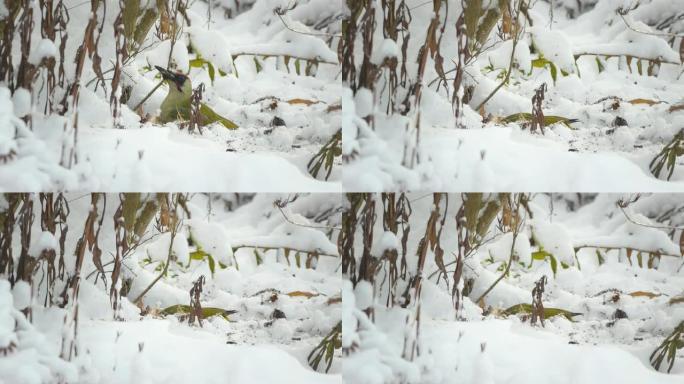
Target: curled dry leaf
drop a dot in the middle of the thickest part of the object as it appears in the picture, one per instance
(645, 101)
(306, 294)
(650, 295)
(303, 101)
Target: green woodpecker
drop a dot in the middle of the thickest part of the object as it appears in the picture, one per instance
(176, 105)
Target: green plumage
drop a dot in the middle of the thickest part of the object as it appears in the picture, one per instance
(177, 106)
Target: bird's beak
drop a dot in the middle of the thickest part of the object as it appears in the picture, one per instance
(171, 77)
(166, 74)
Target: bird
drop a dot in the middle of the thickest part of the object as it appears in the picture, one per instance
(177, 104)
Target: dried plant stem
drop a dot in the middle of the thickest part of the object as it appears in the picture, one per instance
(174, 230)
(505, 272)
(506, 78)
(516, 231)
(517, 31)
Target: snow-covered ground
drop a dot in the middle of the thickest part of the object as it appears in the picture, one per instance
(624, 304)
(599, 75)
(285, 302)
(257, 70)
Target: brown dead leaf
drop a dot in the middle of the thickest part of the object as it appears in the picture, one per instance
(334, 107)
(677, 107)
(644, 101)
(302, 101)
(650, 295)
(308, 295)
(334, 300)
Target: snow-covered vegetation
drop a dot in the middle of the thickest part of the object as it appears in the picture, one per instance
(169, 288)
(80, 96)
(524, 95)
(513, 288)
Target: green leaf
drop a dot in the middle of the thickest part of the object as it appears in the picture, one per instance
(554, 72)
(600, 258)
(548, 312)
(487, 24)
(539, 62)
(198, 255)
(259, 261)
(182, 309)
(526, 117)
(298, 67)
(554, 264)
(201, 63)
(144, 24)
(131, 9)
(540, 255)
(601, 68)
(212, 117)
(471, 15)
(212, 264)
(542, 62)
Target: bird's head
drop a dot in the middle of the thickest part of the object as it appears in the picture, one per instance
(173, 78)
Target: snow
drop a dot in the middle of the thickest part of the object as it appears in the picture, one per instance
(501, 56)
(479, 344)
(584, 364)
(363, 292)
(364, 102)
(255, 70)
(159, 56)
(164, 344)
(21, 293)
(45, 241)
(44, 49)
(555, 46)
(483, 162)
(30, 359)
(22, 102)
(555, 239)
(130, 346)
(145, 159)
(159, 249)
(388, 242)
(212, 46)
(388, 49)
(500, 250)
(213, 239)
(596, 70)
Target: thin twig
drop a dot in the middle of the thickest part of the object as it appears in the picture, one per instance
(622, 14)
(608, 248)
(148, 95)
(305, 225)
(516, 231)
(510, 67)
(280, 14)
(176, 226)
(505, 272)
(272, 247)
(622, 204)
